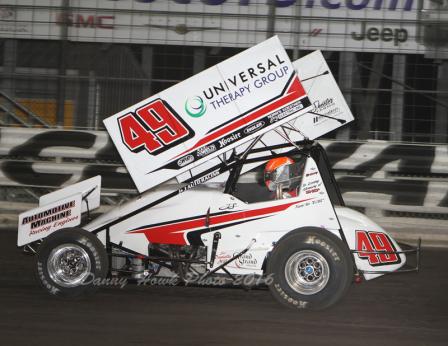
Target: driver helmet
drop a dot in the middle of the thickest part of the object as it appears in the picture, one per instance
(280, 170)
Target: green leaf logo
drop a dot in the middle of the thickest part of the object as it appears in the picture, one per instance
(195, 106)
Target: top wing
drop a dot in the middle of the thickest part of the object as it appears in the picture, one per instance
(329, 111)
(208, 114)
(329, 108)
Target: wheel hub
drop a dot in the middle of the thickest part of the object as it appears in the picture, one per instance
(69, 265)
(307, 272)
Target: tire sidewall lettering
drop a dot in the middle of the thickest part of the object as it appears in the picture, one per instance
(314, 240)
(327, 245)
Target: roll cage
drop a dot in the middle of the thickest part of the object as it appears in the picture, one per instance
(307, 148)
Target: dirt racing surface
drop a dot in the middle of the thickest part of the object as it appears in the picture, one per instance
(406, 309)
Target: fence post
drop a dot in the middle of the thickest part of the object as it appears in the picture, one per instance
(62, 70)
(147, 63)
(346, 63)
(270, 30)
(397, 97)
(9, 67)
(441, 125)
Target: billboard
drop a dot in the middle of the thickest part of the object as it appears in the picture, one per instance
(390, 26)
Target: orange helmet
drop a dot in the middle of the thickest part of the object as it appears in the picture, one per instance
(276, 171)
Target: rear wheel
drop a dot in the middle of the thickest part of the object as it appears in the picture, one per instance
(71, 262)
(310, 269)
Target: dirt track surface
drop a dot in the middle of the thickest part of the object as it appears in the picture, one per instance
(403, 309)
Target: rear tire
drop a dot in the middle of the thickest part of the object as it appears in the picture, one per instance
(310, 269)
(71, 262)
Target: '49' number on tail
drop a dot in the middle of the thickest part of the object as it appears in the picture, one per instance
(154, 127)
(376, 247)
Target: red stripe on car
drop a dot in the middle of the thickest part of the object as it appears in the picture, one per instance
(173, 233)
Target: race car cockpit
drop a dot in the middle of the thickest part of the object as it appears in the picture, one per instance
(282, 176)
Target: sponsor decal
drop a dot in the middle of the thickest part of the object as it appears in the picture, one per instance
(316, 189)
(222, 257)
(377, 248)
(254, 127)
(245, 261)
(285, 111)
(54, 217)
(208, 149)
(228, 206)
(396, 36)
(195, 107)
(185, 160)
(200, 180)
(326, 109)
(322, 105)
(232, 138)
(79, 20)
(242, 83)
(311, 186)
(271, 77)
(49, 215)
(231, 96)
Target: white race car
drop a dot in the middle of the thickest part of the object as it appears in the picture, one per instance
(284, 226)
(296, 235)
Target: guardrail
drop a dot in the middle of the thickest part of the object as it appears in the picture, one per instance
(380, 178)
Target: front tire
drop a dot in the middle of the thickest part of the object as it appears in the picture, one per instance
(310, 269)
(71, 262)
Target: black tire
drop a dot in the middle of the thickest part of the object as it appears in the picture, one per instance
(84, 251)
(326, 274)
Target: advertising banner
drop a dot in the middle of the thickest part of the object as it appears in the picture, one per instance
(208, 114)
(386, 26)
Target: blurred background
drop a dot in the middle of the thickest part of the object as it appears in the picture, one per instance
(74, 62)
(66, 65)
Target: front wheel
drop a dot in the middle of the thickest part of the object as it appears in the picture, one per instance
(310, 268)
(71, 262)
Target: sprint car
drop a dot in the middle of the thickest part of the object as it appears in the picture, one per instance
(309, 247)
(227, 216)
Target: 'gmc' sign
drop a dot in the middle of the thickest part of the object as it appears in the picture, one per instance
(79, 20)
